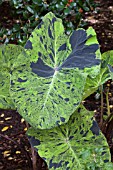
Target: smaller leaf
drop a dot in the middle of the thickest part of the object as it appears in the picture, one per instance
(36, 2)
(8, 56)
(86, 8)
(5, 128)
(92, 83)
(8, 118)
(10, 158)
(2, 115)
(18, 152)
(30, 9)
(107, 58)
(25, 129)
(6, 153)
(67, 11)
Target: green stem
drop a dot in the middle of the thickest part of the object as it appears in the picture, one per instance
(107, 101)
(102, 105)
(34, 158)
(33, 152)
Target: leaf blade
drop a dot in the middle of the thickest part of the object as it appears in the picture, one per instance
(77, 144)
(8, 55)
(46, 82)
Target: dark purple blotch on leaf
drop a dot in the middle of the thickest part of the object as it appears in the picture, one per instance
(105, 161)
(55, 165)
(34, 142)
(62, 119)
(82, 55)
(62, 47)
(21, 80)
(95, 128)
(28, 45)
(41, 69)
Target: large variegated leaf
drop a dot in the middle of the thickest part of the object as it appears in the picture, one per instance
(8, 55)
(48, 85)
(78, 144)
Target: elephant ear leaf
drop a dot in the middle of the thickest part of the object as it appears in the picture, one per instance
(105, 73)
(78, 144)
(8, 55)
(107, 58)
(49, 77)
(92, 83)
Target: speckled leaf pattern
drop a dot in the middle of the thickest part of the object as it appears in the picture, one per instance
(78, 144)
(8, 55)
(49, 77)
(92, 83)
(108, 58)
(101, 76)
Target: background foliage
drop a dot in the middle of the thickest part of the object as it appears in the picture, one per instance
(26, 15)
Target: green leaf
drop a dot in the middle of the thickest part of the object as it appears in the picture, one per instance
(37, 2)
(108, 59)
(99, 76)
(92, 83)
(78, 144)
(85, 8)
(50, 84)
(108, 166)
(8, 55)
(30, 9)
(67, 11)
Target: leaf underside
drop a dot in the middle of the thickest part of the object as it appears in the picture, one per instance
(78, 144)
(48, 84)
(8, 55)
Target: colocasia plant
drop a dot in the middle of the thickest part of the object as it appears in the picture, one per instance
(46, 82)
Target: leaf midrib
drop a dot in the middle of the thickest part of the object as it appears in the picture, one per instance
(73, 153)
(50, 87)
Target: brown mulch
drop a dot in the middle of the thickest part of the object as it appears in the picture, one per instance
(15, 150)
(102, 21)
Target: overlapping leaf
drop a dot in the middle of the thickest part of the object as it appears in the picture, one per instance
(108, 56)
(108, 59)
(8, 55)
(78, 144)
(48, 79)
(92, 83)
(105, 73)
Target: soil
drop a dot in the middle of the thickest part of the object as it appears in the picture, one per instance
(15, 150)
